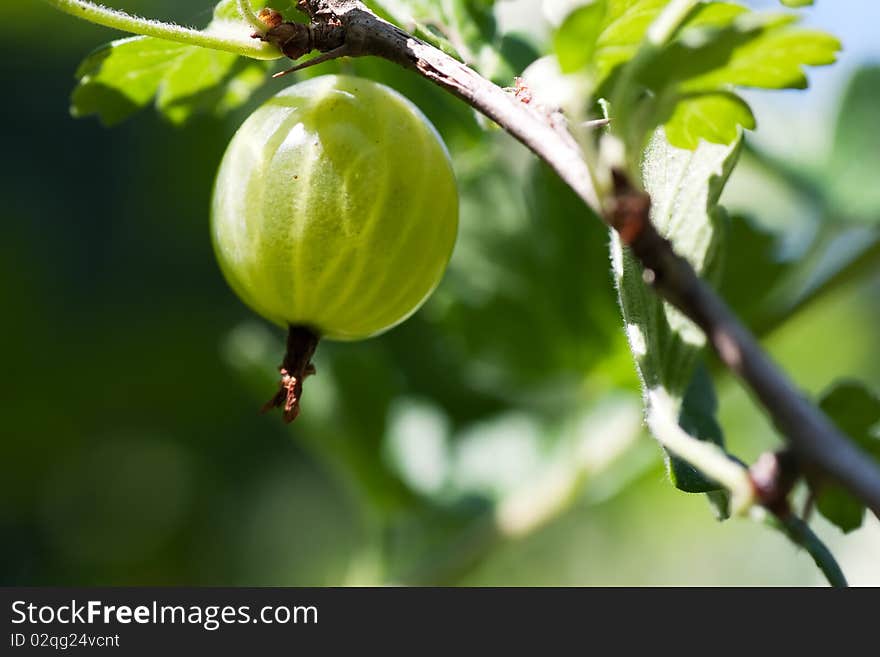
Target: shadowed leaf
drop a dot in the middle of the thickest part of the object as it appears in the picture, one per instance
(856, 412)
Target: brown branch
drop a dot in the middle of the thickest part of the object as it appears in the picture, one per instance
(366, 34)
(810, 434)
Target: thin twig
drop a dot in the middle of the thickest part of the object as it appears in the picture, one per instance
(809, 432)
(800, 534)
(247, 14)
(232, 41)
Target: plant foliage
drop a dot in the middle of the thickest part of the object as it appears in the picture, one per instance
(518, 363)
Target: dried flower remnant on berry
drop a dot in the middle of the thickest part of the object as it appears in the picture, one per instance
(270, 17)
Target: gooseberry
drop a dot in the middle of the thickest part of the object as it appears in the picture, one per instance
(335, 209)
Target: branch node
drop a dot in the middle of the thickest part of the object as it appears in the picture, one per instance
(296, 40)
(270, 18)
(773, 477)
(630, 209)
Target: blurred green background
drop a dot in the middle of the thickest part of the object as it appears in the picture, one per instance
(493, 439)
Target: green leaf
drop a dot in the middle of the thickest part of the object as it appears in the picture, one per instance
(748, 282)
(519, 275)
(576, 39)
(856, 412)
(621, 29)
(841, 508)
(688, 84)
(796, 3)
(694, 75)
(121, 77)
(715, 14)
(626, 22)
(125, 75)
(624, 27)
(716, 117)
(773, 58)
(851, 172)
(702, 50)
(697, 417)
(727, 47)
(685, 187)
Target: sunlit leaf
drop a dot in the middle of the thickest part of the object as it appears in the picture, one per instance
(126, 75)
(689, 83)
(575, 40)
(625, 24)
(774, 59)
(714, 117)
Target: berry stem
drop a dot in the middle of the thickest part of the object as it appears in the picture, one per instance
(295, 368)
(225, 40)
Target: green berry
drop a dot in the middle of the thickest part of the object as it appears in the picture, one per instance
(335, 208)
